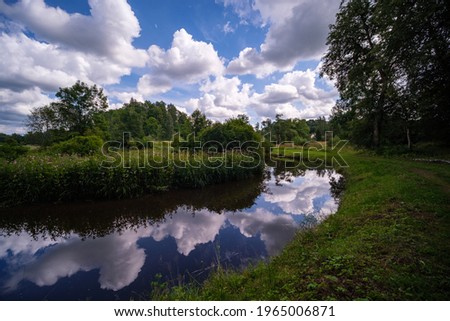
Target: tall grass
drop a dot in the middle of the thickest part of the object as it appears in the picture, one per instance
(40, 178)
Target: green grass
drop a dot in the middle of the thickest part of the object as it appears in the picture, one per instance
(389, 240)
(48, 178)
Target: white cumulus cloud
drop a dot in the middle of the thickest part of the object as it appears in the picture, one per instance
(222, 98)
(298, 31)
(108, 31)
(187, 61)
(296, 94)
(44, 48)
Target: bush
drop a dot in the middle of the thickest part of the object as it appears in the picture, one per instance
(300, 141)
(11, 150)
(332, 141)
(234, 133)
(80, 145)
(135, 144)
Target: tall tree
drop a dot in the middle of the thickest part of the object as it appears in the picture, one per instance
(79, 103)
(285, 130)
(390, 60)
(417, 34)
(73, 112)
(45, 118)
(199, 121)
(357, 61)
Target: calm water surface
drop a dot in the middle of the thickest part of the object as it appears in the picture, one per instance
(114, 250)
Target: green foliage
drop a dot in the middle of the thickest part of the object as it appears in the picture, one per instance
(234, 133)
(11, 150)
(79, 145)
(390, 61)
(152, 121)
(81, 110)
(285, 130)
(300, 141)
(318, 127)
(13, 138)
(39, 178)
(74, 111)
(199, 122)
(176, 141)
(332, 140)
(191, 144)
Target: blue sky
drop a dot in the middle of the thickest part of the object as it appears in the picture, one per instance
(224, 57)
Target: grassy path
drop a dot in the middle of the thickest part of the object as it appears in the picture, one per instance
(432, 178)
(390, 240)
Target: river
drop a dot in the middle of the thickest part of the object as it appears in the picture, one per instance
(114, 250)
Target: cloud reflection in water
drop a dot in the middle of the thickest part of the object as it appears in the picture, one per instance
(119, 259)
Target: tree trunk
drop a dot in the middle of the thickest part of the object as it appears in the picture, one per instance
(408, 137)
(376, 132)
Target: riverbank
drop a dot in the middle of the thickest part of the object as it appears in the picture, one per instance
(389, 240)
(54, 178)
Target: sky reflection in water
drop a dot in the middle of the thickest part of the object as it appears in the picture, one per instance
(113, 250)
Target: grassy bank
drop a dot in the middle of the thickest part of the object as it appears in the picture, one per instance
(44, 178)
(388, 241)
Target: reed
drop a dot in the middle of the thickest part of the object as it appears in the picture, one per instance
(44, 178)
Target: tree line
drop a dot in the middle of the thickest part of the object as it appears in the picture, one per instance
(82, 110)
(79, 121)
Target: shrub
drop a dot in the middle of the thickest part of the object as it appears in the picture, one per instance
(300, 141)
(11, 150)
(332, 141)
(80, 145)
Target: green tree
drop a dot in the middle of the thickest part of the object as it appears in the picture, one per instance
(80, 145)
(45, 118)
(74, 112)
(152, 128)
(185, 125)
(167, 126)
(133, 117)
(318, 127)
(233, 133)
(78, 105)
(356, 59)
(46, 124)
(199, 122)
(390, 60)
(417, 35)
(301, 127)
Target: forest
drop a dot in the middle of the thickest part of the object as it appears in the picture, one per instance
(80, 122)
